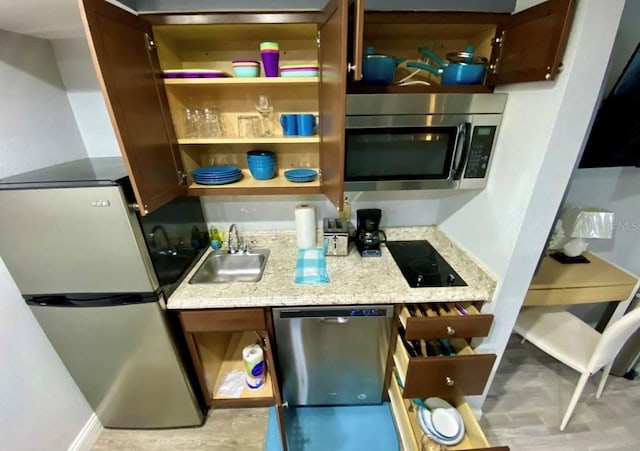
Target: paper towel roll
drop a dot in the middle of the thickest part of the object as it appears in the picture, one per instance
(253, 366)
(305, 226)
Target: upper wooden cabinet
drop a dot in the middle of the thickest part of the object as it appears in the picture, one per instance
(149, 112)
(522, 47)
(532, 43)
(213, 41)
(129, 75)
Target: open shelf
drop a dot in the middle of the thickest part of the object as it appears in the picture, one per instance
(271, 140)
(233, 362)
(240, 81)
(355, 88)
(248, 185)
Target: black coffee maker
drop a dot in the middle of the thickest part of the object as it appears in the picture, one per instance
(368, 235)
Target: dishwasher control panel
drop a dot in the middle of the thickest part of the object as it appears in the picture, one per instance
(334, 312)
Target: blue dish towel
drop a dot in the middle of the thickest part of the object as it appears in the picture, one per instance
(311, 267)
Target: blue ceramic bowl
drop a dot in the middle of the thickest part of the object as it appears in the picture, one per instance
(262, 172)
(260, 153)
(261, 158)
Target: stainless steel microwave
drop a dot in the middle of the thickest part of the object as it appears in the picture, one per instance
(420, 141)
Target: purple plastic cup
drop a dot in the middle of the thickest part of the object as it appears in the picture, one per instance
(270, 60)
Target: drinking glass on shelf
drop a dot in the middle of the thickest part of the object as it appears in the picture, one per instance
(247, 126)
(212, 123)
(193, 120)
(265, 108)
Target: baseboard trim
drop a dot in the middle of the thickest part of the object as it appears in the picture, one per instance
(87, 437)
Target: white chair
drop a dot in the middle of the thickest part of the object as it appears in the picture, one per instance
(567, 338)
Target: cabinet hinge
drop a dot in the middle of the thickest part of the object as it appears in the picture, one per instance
(136, 207)
(497, 41)
(151, 44)
(494, 67)
(318, 39)
(182, 177)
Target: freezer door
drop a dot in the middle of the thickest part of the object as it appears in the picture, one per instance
(125, 363)
(73, 240)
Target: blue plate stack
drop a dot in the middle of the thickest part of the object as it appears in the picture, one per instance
(301, 175)
(217, 175)
(262, 164)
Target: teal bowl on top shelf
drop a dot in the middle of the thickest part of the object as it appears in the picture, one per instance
(246, 71)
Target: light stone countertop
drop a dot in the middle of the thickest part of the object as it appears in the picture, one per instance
(354, 279)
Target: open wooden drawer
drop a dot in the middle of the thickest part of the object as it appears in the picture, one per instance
(451, 319)
(465, 373)
(411, 436)
(446, 376)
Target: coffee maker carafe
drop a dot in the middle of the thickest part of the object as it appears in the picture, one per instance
(368, 235)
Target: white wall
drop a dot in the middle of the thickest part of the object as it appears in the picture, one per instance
(399, 208)
(37, 128)
(85, 97)
(627, 39)
(41, 406)
(541, 137)
(618, 190)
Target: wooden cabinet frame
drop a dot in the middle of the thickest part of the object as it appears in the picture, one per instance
(505, 39)
(213, 332)
(125, 55)
(450, 377)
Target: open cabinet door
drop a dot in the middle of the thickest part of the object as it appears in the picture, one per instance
(332, 57)
(127, 66)
(532, 43)
(355, 38)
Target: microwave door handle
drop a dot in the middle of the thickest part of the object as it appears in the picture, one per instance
(460, 150)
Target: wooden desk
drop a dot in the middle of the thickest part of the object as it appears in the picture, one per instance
(581, 283)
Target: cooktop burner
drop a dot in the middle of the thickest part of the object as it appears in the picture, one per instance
(422, 265)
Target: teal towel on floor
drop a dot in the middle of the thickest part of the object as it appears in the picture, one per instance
(334, 428)
(311, 267)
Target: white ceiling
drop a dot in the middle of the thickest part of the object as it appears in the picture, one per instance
(48, 19)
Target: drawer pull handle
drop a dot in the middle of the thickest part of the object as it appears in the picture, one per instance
(450, 382)
(451, 330)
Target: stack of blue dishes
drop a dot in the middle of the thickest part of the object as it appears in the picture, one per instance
(217, 175)
(262, 164)
(300, 175)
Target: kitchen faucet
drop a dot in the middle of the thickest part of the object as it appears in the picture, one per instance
(233, 232)
(163, 250)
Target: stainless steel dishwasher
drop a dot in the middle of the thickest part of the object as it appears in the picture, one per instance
(333, 355)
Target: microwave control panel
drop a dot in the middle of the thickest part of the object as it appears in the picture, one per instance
(479, 152)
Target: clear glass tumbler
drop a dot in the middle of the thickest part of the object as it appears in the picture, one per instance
(248, 126)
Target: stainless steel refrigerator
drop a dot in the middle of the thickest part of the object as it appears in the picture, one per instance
(96, 276)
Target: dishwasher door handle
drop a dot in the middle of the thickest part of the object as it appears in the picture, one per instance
(336, 320)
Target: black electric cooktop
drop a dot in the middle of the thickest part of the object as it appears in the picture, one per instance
(422, 265)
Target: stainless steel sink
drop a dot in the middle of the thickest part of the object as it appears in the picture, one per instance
(221, 267)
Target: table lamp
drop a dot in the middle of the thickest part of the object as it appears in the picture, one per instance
(580, 223)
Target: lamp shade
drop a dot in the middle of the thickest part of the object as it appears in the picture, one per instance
(586, 222)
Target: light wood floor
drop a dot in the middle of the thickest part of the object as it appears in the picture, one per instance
(523, 411)
(529, 396)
